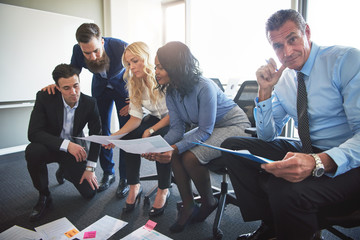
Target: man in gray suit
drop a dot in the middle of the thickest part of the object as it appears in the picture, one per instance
(54, 123)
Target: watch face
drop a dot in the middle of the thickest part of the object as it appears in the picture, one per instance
(319, 172)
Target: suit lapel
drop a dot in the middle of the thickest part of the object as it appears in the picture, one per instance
(60, 111)
(78, 113)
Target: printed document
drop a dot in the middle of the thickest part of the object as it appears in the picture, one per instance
(242, 153)
(61, 229)
(145, 233)
(101, 139)
(102, 229)
(143, 145)
(19, 233)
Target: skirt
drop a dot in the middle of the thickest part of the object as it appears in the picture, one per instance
(232, 124)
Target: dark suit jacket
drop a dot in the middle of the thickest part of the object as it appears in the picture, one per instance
(46, 121)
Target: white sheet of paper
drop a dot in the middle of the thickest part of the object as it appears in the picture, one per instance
(104, 227)
(101, 139)
(56, 229)
(143, 145)
(144, 233)
(19, 233)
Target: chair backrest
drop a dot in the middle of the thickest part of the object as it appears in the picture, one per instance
(245, 98)
(217, 81)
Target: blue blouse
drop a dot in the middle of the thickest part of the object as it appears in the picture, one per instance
(203, 107)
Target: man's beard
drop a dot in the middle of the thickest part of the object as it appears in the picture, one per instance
(101, 65)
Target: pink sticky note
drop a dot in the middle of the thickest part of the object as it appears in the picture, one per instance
(150, 225)
(91, 234)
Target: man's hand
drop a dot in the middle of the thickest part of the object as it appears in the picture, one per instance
(77, 151)
(295, 167)
(50, 89)
(91, 178)
(267, 76)
(125, 110)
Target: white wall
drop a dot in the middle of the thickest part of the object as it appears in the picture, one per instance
(139, 20)
(14, 121)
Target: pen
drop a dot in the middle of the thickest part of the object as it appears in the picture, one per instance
(267, 61)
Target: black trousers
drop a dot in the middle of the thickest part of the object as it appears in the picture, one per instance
(38, 156)
(293, 208)
(133, 161)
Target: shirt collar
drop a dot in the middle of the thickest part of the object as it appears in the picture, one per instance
(306, 69)
(67, 106)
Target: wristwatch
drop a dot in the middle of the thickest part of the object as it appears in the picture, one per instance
(151, 131)
(90, 169)
(319, 169)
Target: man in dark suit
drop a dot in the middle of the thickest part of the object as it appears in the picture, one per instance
(102, 56)
(54, 123)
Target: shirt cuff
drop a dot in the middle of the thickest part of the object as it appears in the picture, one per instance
(64, 146)
(263, 105)
(91, 164)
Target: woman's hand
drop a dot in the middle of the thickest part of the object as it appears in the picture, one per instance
(125, 110)
(109, 146)
(146, 133)
(164, 157)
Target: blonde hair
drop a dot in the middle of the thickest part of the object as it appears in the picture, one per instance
(135, 85)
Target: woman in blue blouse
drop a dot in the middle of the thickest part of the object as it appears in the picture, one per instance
(198, 102)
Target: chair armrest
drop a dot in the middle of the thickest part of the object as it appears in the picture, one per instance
(251, 130)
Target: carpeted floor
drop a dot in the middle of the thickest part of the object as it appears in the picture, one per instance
(18, 196)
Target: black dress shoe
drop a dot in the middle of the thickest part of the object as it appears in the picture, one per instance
(123, 189)
(129, 207)
(155, 212)
(176, 227)
(60, 175)
(264, 232)
(106, 181)
(39, 210)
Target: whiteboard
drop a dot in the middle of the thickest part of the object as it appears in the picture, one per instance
(32, 43)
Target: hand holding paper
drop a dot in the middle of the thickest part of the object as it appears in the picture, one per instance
(143, 145)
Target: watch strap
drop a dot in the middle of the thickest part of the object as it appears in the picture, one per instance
(90, 169)
(151, 130)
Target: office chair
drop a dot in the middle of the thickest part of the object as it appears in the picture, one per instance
(245, 100)
(217, 81)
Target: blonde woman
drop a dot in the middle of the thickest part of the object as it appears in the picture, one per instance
(143, 93)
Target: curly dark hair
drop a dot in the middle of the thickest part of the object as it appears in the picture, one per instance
(181, 66)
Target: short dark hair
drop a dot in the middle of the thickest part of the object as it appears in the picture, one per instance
(181, 66)
(87, 31)
(280, 17)
(64, 71)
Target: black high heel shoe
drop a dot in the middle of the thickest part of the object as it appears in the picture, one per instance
(176, 227)
(129, 207)
(155, 212)
(205, 212)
